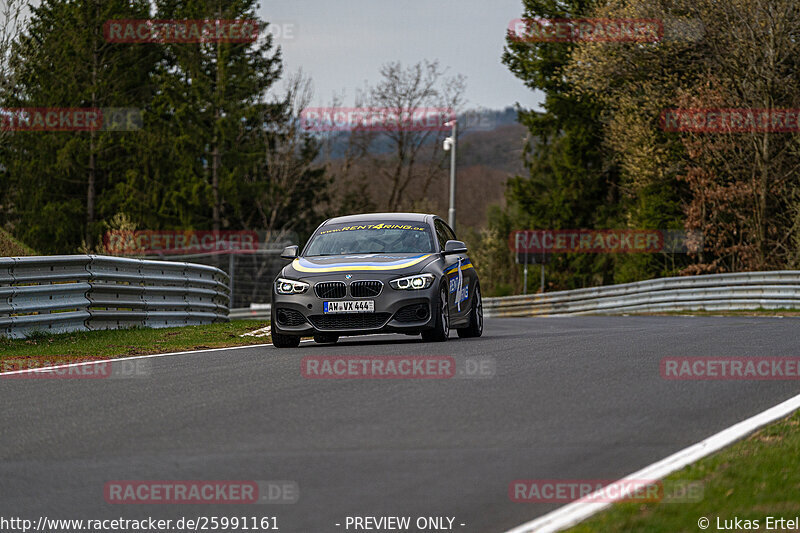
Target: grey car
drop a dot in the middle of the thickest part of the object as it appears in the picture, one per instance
(377, 273)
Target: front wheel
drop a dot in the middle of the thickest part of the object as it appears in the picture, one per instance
(441, 331)
(279, 340)
(475, 327)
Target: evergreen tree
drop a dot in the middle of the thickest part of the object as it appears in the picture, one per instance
(571, 184)
(57, 181)
(212, 108)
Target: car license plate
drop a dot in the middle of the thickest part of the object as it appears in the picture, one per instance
(349, 306)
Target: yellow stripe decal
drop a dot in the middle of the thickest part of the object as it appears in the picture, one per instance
(463, 267)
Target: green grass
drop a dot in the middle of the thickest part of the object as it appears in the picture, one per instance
(752, 479)
(43, 349)
(10, 247)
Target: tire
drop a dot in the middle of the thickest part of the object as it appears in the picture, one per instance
(326, 338)
(279, 340)
(441, 331)
(475, 327)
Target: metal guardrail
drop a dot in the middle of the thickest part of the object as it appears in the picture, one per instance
(715, 292)
(90, 292)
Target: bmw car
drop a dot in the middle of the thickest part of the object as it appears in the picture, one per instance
(377, 273)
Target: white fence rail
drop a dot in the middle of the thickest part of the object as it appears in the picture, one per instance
(716, 292)
(88, 292)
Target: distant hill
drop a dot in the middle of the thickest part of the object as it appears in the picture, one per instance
(489, 152)
(492, 138)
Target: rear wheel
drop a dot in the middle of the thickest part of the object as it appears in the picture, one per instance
(441, 331)
(326, 338)
(279, 340)
(475, 327)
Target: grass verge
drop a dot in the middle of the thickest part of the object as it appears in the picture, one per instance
(10, 247)
(752, 479)
(80, 346)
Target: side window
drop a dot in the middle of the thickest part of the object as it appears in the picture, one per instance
(450, 233)
(441, 233)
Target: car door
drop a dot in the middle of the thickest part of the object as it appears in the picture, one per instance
(458, 302)
(469, 281)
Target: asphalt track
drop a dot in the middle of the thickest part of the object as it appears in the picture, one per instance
(572, 398)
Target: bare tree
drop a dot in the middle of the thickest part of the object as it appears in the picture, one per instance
(402, 158)
(281, 187)
(743, 187)
(11, 22)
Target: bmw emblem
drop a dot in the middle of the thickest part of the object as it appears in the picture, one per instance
(348, 276)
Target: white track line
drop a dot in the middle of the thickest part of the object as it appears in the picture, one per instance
(148, 356)
(578, 511)
(98, 361)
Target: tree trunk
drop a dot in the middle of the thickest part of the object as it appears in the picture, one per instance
(215, 184)
(92, 173)
(215, 155)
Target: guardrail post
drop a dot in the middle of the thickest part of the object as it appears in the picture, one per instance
(6, 293)
(231, 273)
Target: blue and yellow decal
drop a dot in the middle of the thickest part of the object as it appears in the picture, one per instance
(456, 282)
(304, 265)
(454, 269)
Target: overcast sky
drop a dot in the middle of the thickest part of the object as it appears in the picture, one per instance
(342, 43)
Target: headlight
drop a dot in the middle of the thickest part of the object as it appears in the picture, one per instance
(420, 281)
(290, 286)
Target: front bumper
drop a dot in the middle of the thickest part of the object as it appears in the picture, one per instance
(396, 311)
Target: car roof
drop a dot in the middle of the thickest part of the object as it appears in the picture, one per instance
(380, 217)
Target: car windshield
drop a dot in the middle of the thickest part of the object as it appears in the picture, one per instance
(369, 238)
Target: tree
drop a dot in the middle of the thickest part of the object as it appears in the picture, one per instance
(404, 161)
(571, 183)
(737, 188)
(11, 20)
(745, 185)
(212, 103)
(285, 190)
(62, 60)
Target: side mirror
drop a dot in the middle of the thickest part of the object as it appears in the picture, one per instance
(290, 252)
(454, 247)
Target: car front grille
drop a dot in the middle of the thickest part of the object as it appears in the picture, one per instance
(412, 313)
(349, 321)
(365, 289)
(330, 289)
(289, 317)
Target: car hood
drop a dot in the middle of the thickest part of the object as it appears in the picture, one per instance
(358, 264)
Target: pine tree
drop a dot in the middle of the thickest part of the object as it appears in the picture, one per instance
(59, 180)
(570, 183)
(213, 106)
